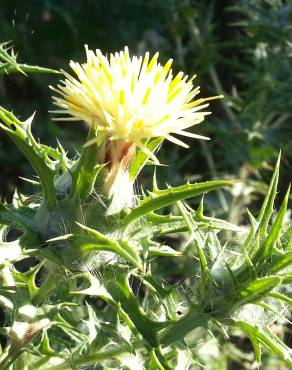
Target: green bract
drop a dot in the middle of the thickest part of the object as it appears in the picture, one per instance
(94, 296)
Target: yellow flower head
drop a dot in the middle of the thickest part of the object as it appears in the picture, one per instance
(131, 98)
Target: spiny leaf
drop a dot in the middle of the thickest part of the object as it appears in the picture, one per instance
(193, 319)
(286, 278)
(9, 63)
(259, 226)
(45, 347)
(166, 197)
(29, 278)
(281, 297)
(256, 347)
(118, 287)
(9, 59)
(275, 313)
(8, 68)
(197, 240)
(85, 172)
(93, 240)
(265, 251)
(279, 263)
(165, 228)
(201, 220)
(265, 337)
(252, 234)
(256, 289)
(267, 207)
(22, 217)
(20, 134)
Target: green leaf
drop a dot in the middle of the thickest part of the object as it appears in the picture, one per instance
(268, 339)
(85, 172)
(118, 287)
(8, 68)
(195, 318)
(276, 313)
(7, 58)
(281, 297)
(153, 284)
(252, 234)
(259, 226)
(256, 290)
(170, 222)
(93, 240)
(287, 279)
(198, 242)
(279, 263)
(163, 198)
(9, 63)
(267, 207)
(29, 278)
(256, 347)
(22, 217)
(265, 250)
(180, 226)
(20, 134)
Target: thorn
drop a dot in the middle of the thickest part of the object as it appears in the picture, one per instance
(155, 186)
(28, 121)
(200, 210)
(62, 237)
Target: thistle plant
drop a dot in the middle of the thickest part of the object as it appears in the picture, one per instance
(94, 295)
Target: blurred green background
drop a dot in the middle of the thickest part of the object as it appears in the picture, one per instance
(242, 49)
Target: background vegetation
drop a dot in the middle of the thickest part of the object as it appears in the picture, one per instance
(242, 49)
